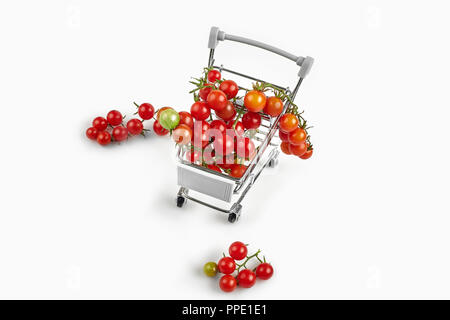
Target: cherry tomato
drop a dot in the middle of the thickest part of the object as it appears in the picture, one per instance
(288, 122)
(225, 162)
(104, 138)
(284, 146)
(218, 125)
(307, 154)
(255, 101)
(193, 155)
(200, 110)
(159, 130)
(223, 144)
(227, 283)
(208, 155)
(146, 111)
(238, 250)
(210, 269)
(297, 136)
(238, 129)
(264, 271)
(202, 125)
(182, 134)
(100, 123)
(214, 167)
(161, 110)
(227, 113)
(237, 170)
(214, 75)
(169, 119)
(299, 149)
(217, 100)
(135, 126)
(114, 118)
(200, 137)
(120, 133)
(283, 136)
(273, 107)
(203, 92)
(251, 120)
(226, 265)
(92, 133)
(230, 88)
(246, 278)
(244, 147)
(187, 119)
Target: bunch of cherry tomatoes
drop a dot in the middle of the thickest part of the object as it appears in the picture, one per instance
(244, 277)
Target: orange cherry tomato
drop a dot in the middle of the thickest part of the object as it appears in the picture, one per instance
(307, 154)
(288, 122)
(274, 106)
(285, 147)
(299, 149)
(297, 136)
(255, 101)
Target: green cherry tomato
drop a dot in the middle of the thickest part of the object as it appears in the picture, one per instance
(210, 269)
(169, 119)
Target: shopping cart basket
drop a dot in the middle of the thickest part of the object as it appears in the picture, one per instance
(202, 185)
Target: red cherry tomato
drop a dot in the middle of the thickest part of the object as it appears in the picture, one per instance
(307, 154)
(273, 107)
(92, 133)
(146, 111)
(227, 113)
(288, 122)
(186, 118)
(217, 100)
(100, 123)
(104, 138)
(193, 155)
(283, 136)
(114, 118)
(214, 168)
(218, 125)
(208, 155)
(160, 110)
(227, 283)
(246, 278)
(223, 144)
(238, 250)
(238, 129)
(255, 101)
(244, 147)
(284, 146)
(135, 126)
(297, 136)
(264, 271)
(200, 110)
(225, 162)
(251, 120)
(203, 92)
(182, 134)
(237, 170)
(299, 149)
(214, 75)
(226, 265)
(230, 88)
(158, 129)
(120, 133)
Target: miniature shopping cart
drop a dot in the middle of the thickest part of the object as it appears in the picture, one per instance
(205, 186)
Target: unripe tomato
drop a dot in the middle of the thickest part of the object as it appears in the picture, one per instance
(114, 117)
(238, 250)
(226, 265)
(251, 120)
(200, 110)
(182, 134)
(135, 126)
(120, 133)
(104, 138)
(230, 88)
(210, 269)
(299, 149)
(92, 133)
(100, 123)
(158, 129)
(169, 119)
(288, 122)
(214, 75)
(227, 283)
(146, 111)
(246, 278)
(227, 113)
(274, 106)
(161, 110)
(217, 100)
(264, 271)
(255, 101)
(297, 136)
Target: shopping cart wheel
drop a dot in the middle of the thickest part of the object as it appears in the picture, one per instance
(180, 201)
(273, 163)
(232, 217)
(235, 213)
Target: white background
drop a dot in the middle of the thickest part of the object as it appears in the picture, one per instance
(366, 217)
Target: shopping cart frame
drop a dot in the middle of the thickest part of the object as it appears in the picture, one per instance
(222, 186)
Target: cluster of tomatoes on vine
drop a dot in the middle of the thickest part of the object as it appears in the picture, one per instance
(243, 276)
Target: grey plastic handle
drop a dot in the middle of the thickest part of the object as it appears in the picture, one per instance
(217, 35)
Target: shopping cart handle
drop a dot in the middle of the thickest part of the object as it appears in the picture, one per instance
(217, 35)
